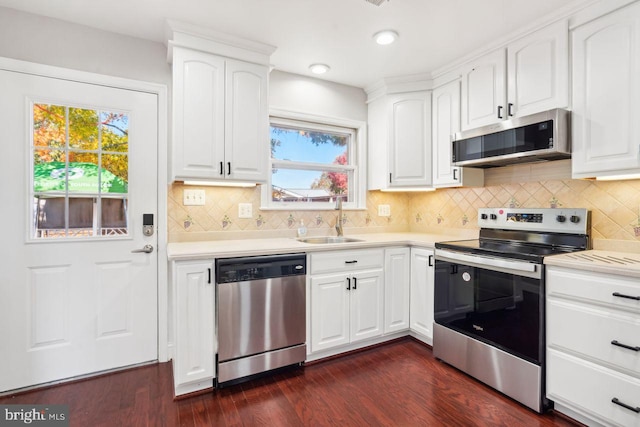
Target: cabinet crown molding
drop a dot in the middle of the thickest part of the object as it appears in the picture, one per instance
(207, 40)
(399, 84)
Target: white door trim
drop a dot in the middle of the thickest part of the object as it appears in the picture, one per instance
(160, 90)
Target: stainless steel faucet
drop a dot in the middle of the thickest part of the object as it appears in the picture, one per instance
(339, 219)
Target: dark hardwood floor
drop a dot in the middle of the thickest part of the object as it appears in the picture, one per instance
(398, 384)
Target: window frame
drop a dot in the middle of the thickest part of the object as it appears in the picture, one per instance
(357, 160)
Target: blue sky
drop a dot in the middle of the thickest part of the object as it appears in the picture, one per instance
(297, 147)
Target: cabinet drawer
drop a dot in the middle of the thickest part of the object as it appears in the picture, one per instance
(332, 262)
(590, 388)
(595, 287)
(590, 331)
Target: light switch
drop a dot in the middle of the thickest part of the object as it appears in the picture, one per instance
(245, 210)
(384, 210)
(193, 197)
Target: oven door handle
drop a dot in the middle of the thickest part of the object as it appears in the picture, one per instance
(486, 262)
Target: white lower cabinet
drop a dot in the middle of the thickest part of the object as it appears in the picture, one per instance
(346, 306)
(397, 283)
(195, 339)
(422, 286)
(593, 345)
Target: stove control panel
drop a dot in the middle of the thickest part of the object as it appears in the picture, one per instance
(569, 220)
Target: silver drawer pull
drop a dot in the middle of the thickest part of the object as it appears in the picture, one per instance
(624, 405)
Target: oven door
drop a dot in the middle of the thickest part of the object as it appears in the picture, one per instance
(495, 300)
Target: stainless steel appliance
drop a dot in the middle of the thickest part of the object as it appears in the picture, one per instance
(541, 136)
(261, 306)
(489, 298)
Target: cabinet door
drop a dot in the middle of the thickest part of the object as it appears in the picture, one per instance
(410, 140)
(195, 324)
(484, 91)
(367, 305)
(606, 95)
(329, 312)
(538, 76)
(446, 122)
(246, 122)
(422, 277)
(198, 115)
(397, 271)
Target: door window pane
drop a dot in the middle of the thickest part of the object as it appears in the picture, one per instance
(83, 129)
(80, 161)
(115, 132)
(49, 126)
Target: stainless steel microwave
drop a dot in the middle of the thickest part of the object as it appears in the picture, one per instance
(541, 136)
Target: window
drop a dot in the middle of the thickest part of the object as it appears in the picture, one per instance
(80, 172)
(314, 163)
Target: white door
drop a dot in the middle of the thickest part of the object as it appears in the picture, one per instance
(606, 95)
(367, 305)
(329, 312)
(410, 145)
(396, 289)
(246, 121)
(484, 91)
(78, 171)
(422, 303)
(538, 77)
(446, 122)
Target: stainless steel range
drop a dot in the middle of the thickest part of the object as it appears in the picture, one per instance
(489, 297)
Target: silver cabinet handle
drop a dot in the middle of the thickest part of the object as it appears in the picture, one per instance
(147, 249)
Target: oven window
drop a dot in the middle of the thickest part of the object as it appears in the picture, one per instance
(498, 308)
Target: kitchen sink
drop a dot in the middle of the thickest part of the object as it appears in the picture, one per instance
(328, 239)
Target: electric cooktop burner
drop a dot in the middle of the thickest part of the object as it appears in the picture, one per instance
(508, 249)
(526, 234)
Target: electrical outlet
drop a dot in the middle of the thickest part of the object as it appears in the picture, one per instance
(245, 210)
(384, 210)
(193, 198)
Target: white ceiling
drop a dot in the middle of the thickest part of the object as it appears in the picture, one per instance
(336, 32)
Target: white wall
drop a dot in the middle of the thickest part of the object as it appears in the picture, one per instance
(43, 40)
(308, 95)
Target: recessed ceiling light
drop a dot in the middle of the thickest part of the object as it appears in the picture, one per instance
(319, 68)
(385, 37)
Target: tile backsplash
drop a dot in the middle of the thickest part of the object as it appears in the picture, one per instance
(218, 218)
(614, 206)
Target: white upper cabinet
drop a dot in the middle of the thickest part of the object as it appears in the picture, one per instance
(400, 141)
(198, 114)
(446, 122)
(484, 91)
(606, 95)
(246, 121)
(220, 114)
(529, 76)
(538, 71)
(220, 118)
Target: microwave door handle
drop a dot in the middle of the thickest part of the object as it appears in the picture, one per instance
(484, 262)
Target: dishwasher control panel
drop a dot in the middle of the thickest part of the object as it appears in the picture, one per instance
(230, 270)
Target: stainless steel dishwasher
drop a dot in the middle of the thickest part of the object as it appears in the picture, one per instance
(261, 313)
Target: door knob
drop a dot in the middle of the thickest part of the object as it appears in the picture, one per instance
(147, 249)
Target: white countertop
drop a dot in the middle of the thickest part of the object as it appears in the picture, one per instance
(252, 247)
(610, 262)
